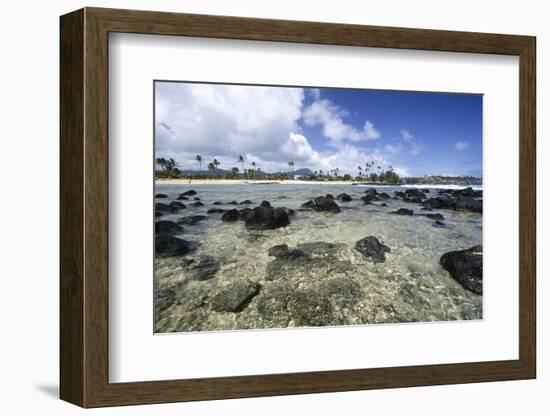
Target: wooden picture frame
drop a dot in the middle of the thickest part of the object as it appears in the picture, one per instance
(84, 207)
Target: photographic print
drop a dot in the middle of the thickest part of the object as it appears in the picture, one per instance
(289, 207)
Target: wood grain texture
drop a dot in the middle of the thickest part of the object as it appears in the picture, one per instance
(71, 100)
(84, 204)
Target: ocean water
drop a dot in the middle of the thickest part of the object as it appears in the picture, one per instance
(410, 286)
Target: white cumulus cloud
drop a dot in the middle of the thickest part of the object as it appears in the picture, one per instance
(330, 117)
(260, 123)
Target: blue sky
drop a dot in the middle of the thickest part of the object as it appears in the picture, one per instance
(418, 133)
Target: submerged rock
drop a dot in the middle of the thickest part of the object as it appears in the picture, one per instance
(266, 204)
(182, 198)
(319, 248)
(158, 214)
(307, 261)
(218, 203)
(282, 250)
(167, 227)
(161, 196)
(192, 219)
(230, 216)
(176, 206)
(235, 297)
(245, 202)
(215, 211)
(342, 291)
(308, 204)
(434, 216)
(403, 211)
(196, 198)
(197, 204)
(190, 192)
(466, 267)
(367, 199)
(372, 249)
(468, 203)
(439, 224)
(266, 218)
(308, 308)
(167, 246)
(203, 268)
(160, 207)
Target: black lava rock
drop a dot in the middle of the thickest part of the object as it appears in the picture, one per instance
(325, 204)
(203, 268)
(192, 219)
(164, 208)
(235, 297)
(372, 249)
(265, 218)
(168, 246)
(167, 227)
(161, 196)
(230, 216)
(343, 197)
(466, 267)
(434, 216)
(190, 192)
(403, 211)
(176, 206)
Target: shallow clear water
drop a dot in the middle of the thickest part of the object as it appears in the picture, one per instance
(409, 286)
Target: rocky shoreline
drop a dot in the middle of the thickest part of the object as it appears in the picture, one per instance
(311, 283)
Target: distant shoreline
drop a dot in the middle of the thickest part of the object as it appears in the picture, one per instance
(298, 182)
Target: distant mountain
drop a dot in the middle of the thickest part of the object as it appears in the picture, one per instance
(302, 172)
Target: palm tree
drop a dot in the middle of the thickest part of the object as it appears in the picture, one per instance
(198, 158)
(235, 171)
(253, 170)
(291, 166)
(170, 166)
(211, 166)
(216, 164)
(241, 160)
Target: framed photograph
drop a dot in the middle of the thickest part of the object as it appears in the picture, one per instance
(257, 207)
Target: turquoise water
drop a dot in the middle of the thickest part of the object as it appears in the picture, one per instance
(409, 286)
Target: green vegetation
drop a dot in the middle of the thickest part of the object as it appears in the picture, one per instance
(369, 173)
(170, 168)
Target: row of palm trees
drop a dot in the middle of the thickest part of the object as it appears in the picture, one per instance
(170, 168)
(372, 172)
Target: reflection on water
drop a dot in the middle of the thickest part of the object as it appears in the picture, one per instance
(341, 286)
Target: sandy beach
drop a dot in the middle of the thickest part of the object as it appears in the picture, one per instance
(250, 182)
